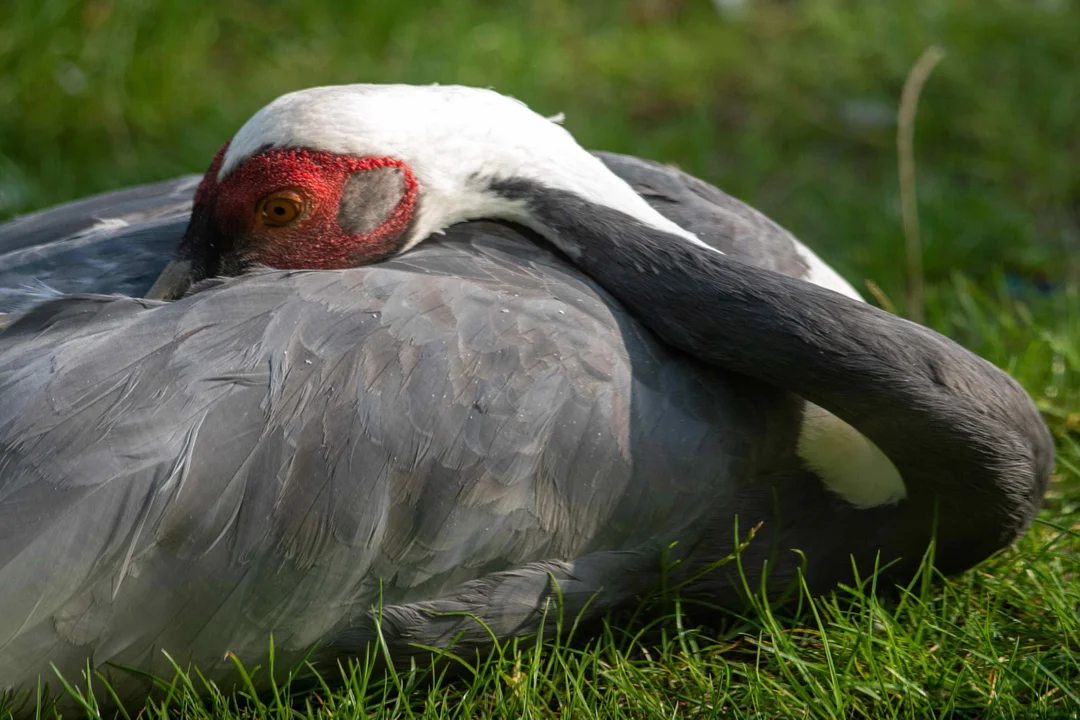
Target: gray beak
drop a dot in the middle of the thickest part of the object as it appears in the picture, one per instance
(173, 282)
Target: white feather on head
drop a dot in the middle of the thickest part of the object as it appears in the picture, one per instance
(455, 139)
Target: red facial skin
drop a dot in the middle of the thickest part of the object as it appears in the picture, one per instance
(315, 240)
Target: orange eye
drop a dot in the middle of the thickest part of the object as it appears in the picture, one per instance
(280, 208)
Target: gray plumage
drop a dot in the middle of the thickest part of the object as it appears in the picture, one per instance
(448, 431)
(114, 243)
(269, 450)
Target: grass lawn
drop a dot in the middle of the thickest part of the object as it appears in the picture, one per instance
(789, 105)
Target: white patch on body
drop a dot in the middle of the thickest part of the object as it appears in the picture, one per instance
(824, 276)
(455, 139)
(848, 462)
(107, 224)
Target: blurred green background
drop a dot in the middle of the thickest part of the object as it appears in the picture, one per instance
(788, 105)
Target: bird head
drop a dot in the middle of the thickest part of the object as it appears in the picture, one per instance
(336, 177)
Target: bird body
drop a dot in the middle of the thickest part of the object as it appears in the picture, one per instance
(286, 451)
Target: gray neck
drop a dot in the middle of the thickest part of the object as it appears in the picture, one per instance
(967, 439)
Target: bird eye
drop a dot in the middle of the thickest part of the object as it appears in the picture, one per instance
(280, 208)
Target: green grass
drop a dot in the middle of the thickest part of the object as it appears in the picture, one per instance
(788, 105)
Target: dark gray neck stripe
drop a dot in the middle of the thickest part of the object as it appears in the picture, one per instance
(966, 438)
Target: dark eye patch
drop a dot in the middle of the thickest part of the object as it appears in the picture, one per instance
(369, 197)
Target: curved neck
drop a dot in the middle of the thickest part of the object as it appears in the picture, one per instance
(966, 438)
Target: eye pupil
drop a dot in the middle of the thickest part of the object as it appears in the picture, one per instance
(280, 208)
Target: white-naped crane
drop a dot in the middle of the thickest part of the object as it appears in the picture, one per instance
(562, 365)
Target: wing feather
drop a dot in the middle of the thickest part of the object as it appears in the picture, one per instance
(277, 452)
(117, 242)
